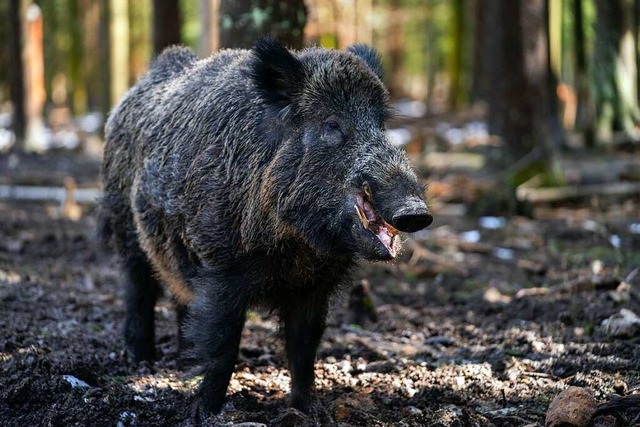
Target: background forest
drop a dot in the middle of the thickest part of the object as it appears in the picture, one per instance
(518, 306)
(557, 65)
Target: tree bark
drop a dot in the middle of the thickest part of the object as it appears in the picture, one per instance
(35, 93)
(394, 47)
(104, 71)
(167, 24)
(242, 22)
(16, 17)
(76, 78)
(479, 79)
(614, 71)
(140, 36)
(516, 53)
(585, 110)
(457, 54)
(119, 48)
(209, 27)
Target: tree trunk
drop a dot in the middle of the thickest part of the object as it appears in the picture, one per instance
(242, 22)
(585, 112)
(614, 71)
(479, 79)
(167, 24)
(209, 28)
(140, 30)
(16, 15)
(555, 136)
(4, 51)
(35, 93)
(516, 64)
(104, 71)
(76, 37)
(394, 48)
(119, 48)
(457, 53)
(91, 43)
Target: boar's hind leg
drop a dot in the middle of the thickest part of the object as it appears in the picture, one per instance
(304, 323)
(141, 294)
(214, 328)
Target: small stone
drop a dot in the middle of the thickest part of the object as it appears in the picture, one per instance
(127, 419)
(494, 296)
(624, 324)
(574, 407)
(75, 382)
(621, 294)
(412, 410)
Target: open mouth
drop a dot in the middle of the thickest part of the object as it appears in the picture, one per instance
(373, 222)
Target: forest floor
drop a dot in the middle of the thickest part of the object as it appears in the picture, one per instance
(481, 321)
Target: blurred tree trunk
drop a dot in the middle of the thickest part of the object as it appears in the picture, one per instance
(394, 48)
(515, 59)
(585, 113)
(51, 55)
(16, 16)
(614, 71)
(209, 27)
(119, 48)
(76, 36)
(241, 22)
(35, 92)
(140, 30)
(4, 51)
(167, 24)
(457, 53)
(555, 134)
(91, 43)
(105, 58)
(479, 78)
(554, 25)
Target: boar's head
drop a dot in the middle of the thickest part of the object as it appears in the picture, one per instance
(334, 179)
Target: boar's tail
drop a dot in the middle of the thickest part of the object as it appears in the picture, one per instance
(112, 220)
(104, 231)
(172, 61)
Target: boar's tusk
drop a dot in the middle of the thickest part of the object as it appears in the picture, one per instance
(362, 216)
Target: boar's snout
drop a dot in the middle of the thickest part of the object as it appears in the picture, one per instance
(412, 216)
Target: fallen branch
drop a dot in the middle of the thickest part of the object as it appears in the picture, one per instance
(538, 195)
(44, 194)
(581, 284)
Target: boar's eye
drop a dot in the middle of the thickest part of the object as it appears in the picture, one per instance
(332, 131)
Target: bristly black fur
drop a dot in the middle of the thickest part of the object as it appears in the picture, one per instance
(370, 57)
(220, 185)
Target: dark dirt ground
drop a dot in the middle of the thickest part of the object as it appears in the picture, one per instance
(469, 333)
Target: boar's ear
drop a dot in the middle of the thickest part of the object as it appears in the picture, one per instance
(278, 74)
(370, 57)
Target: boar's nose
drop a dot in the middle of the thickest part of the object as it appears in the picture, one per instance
(412, 216)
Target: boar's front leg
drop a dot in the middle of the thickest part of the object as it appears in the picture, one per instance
(215, 328)
(304, 323)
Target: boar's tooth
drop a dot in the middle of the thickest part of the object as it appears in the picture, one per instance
(362, 216)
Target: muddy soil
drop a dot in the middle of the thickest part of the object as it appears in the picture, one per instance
(480, 323)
